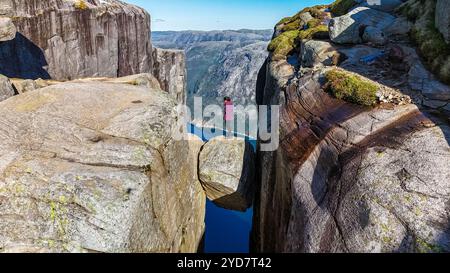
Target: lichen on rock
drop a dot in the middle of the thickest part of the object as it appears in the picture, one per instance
(79, 179)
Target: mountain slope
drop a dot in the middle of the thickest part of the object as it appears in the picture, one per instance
(220, 63)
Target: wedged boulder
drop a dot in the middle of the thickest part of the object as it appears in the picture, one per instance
(7, 29)
(443, 18)
(383, 5)
(93, 167)
(6, 88)
(349, 28)
(315, 52)
(227, 172)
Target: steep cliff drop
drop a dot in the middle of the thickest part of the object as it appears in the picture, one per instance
(364, 158)
(89, 162)
(219, 63)
(75, 179)
(66, 40)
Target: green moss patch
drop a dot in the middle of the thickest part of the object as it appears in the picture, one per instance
(293, 29)
(342, 7)
(430, 42)
(352, 88)
(288, 22)
(317, 32)
(284, 44)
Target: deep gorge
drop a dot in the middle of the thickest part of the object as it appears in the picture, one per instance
(91, 160)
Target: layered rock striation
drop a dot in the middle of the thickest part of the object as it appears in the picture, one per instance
(363, 163)
(66, 40)
(76, 179)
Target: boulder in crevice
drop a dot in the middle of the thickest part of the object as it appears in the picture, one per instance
(227, 172)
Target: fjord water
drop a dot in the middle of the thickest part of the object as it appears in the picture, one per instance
(226, 231)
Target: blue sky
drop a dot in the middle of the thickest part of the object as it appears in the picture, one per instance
(220, 14)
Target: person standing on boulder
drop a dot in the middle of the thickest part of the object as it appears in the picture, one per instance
(228, 116)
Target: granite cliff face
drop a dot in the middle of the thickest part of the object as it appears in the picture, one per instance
(364, 158)
(75, 179)
(72, 39)
(92, 164)
(170, 68)
(85, 38)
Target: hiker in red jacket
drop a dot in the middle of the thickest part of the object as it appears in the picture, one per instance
(228, 115)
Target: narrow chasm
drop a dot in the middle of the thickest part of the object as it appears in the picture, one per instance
(222, 67)
(229, 207)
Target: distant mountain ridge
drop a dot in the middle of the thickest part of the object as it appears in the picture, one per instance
(219, 63)
(183, 39)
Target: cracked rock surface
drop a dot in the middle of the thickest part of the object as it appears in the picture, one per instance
(349, 178)
(92, 167)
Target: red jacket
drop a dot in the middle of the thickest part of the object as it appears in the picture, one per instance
(229, 111)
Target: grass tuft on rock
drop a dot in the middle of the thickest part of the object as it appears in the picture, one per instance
(430, 42)
(294, 29)
(352, 88)
(317, 32)
(284, 44)
(342, 7)
(316, 12)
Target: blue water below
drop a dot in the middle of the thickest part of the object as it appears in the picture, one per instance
(226, 231)
(208, 134)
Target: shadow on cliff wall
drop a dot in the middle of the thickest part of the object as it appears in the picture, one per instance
(21, 58)
(391, 137)
(322, 172)
(394, 75)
